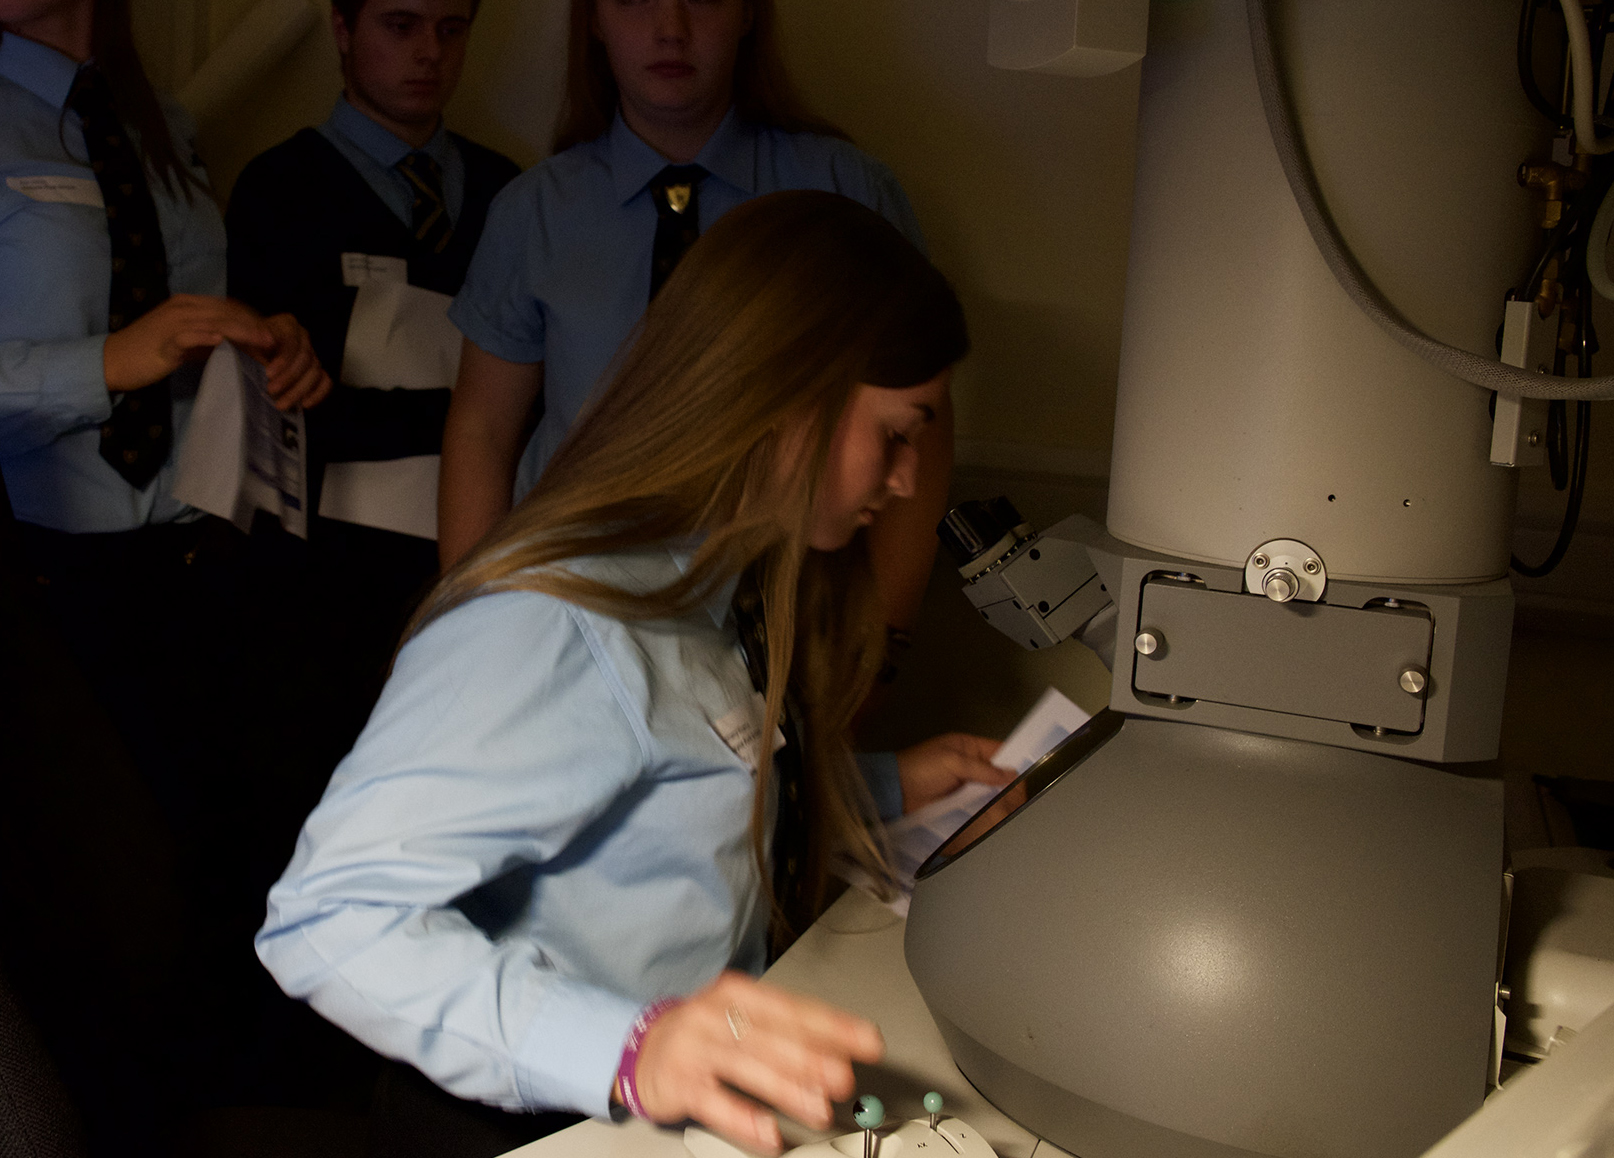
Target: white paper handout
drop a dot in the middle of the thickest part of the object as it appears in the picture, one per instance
(358, 268)
(1050, 720)
(241, 455)
(914, 837)
(398, 336)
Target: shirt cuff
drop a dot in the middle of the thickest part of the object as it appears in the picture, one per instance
(573, 1048)
(884, 781)
(76, 388)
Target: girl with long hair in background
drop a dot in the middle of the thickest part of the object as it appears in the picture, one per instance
(675, 112)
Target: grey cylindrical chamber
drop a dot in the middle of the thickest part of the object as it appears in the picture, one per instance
(1256, 402)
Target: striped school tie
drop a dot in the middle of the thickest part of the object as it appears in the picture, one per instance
(432, 227)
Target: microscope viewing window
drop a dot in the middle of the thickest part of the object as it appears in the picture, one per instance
(1032, 782)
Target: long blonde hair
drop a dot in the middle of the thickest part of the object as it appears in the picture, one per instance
(763, 93)
(717, 423)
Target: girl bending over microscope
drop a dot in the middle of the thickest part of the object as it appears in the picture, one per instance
(612, 764)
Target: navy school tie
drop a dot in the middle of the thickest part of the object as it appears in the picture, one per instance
(676, 192)
(136, 439)
(790, 825)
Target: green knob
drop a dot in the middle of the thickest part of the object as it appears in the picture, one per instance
(870, 1112)
(933, 1102)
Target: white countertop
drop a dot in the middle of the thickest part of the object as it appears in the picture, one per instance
(852, 957)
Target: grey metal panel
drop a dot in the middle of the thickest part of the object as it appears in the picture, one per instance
(1046, 591)
(1467, 665)
(1046, 572)
(1252, 942)
(1309, 659)
(1024, 627)
(1472, 639)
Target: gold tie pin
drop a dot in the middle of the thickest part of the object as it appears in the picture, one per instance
(678, 198)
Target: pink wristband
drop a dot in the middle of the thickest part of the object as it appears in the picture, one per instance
(630, 1053)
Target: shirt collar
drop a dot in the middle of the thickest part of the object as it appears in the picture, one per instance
(380, 144)
(718, 604)
(729, 154)
(41, 70)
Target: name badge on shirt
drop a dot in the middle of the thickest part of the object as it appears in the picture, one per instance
(67, 190)
(741, 730)
(361, 268)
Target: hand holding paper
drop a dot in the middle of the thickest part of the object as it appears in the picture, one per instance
(185, 327)
(922, 831)
(945, 763)
(293, 376)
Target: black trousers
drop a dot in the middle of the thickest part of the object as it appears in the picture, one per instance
(150, 616)
(181, 632)
(104, 737)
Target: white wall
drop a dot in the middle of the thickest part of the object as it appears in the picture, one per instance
(1023, 183)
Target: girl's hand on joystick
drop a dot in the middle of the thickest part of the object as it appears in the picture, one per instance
(740, 1037)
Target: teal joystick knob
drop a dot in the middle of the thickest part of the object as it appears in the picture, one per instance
(933, 1107)
(869, 1113)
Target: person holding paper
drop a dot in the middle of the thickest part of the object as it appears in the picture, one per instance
(111, 271)
(612, 761)
(381, 196)
(100, 314)
(676, 111)
(363, 228)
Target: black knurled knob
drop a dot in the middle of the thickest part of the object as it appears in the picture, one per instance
(972, 527)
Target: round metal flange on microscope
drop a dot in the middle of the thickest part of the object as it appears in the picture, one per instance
(1284, 570)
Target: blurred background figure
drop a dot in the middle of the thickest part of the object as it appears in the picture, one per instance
(109, 293)
(350, 226)
(675, 112)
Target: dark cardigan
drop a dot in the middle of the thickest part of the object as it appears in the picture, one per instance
(295, 210)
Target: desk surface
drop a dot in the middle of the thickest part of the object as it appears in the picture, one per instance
(852, 957)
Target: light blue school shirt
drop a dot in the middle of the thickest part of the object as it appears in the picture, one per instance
(562, 272)
(375, 151)
(539, 831)
(55, 281)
